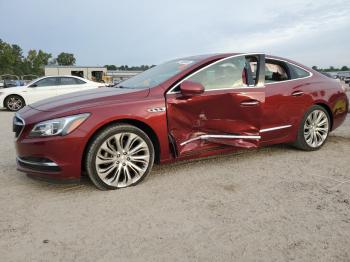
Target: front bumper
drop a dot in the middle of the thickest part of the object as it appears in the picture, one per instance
(56, 158)
(38, 164)
(2, 101)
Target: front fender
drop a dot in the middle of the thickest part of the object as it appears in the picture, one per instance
(140, 111)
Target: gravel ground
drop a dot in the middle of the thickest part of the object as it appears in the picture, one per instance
(272, 204)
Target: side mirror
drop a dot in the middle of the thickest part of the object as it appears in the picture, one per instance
(190, 88)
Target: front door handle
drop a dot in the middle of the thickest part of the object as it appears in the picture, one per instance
(250, 103)
(297, 93)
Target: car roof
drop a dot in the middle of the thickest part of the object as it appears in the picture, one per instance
(223, 55)
(81, 78)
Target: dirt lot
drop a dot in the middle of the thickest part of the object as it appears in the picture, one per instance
(273, 204)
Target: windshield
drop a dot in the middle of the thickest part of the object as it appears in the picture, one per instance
(158, 74)
(33, 81)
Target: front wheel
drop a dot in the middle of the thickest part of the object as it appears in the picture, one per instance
(314, 129)
(119, 156)
(14, 103)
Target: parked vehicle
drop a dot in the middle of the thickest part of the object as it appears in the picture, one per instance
(328, 74)
(343, 74)
(11, 83)
(183, 109)
(347, 79)
(7, 83)
(14, 98)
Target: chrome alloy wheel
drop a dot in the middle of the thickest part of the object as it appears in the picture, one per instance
(316, 128)
(14, 103)
(122, 159)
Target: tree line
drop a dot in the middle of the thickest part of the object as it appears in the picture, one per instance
(331, 69)
(14, 62)
(126, 67)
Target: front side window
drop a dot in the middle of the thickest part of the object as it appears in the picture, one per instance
(299, 72)
(275, 72)
(229, 73)
(50, 81)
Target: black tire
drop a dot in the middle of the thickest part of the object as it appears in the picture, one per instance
(14, 98)
(301, 143)
(99, 139)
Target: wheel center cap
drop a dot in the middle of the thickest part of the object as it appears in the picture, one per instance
(124, 158)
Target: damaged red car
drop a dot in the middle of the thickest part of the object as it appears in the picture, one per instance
(185, 108)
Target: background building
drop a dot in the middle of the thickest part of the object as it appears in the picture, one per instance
(95, 73)
(89, 72)
(121, 75)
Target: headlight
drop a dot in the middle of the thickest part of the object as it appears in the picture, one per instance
(59, 126)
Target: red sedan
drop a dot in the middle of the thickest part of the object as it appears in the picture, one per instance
(185, 108)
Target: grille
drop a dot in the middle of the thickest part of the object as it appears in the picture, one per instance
(18, 125)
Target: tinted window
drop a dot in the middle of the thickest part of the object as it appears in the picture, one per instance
(275, 72)
(67, 81)
(50, 81)
(225, 74)
(299, 72)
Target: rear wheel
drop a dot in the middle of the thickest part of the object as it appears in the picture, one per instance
(119, 156)
(314, 129)
(14, 103)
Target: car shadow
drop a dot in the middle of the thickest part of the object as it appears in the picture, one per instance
(165, 169)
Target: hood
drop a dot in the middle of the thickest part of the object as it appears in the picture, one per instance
(89, 98)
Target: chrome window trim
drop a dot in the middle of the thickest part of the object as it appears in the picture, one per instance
(281, 60)
(51, 164)
(211, 64)
(230, 88)
(274, 128)
(220, 136)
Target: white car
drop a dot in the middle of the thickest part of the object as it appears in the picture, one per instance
(14, 98)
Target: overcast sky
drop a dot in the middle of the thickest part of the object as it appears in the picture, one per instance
(148, 32)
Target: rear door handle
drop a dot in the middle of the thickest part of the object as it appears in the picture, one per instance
(297, 93)
(250, 103)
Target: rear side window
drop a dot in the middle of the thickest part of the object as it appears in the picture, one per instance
(70, 81)
(275, 72)
(79, 82)
(299, 72)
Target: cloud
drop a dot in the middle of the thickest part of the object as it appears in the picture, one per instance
(149, 32)
(290, 30)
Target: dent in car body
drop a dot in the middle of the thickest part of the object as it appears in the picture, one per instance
(211, 113)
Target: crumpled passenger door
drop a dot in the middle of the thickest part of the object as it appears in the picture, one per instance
(215, 119)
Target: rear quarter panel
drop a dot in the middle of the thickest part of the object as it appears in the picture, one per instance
(329, 92)
(317, 89)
